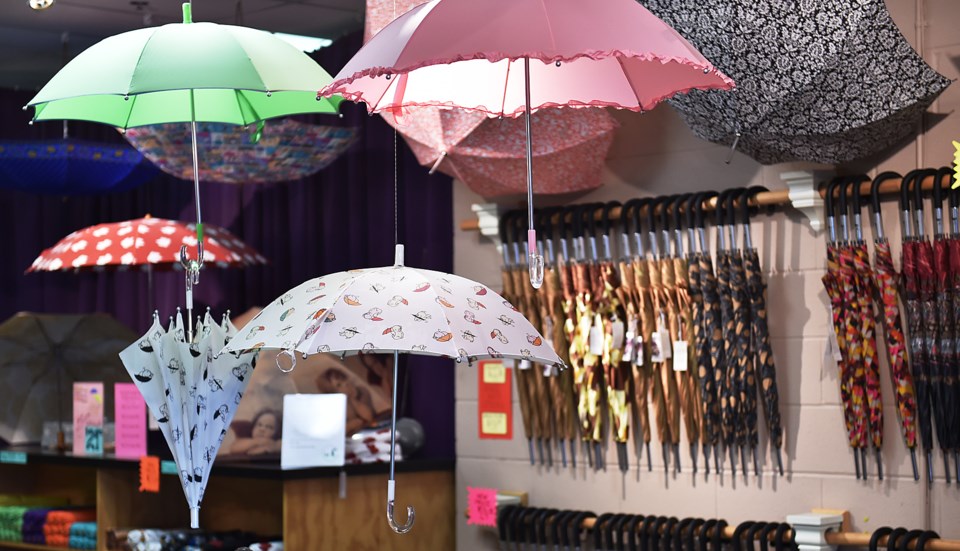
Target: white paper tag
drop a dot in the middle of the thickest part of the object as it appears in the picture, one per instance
(596, 339)
(548, 337)
(616, 331)
(665, 344)
(679, 355)
(656, 347)
(550, 371)
(638, 357)
(631, 341)
(524, 365)
(832, 350)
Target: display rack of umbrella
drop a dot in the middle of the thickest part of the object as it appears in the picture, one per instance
(192, 390)
(887, 297)
(954, 284)
(188, 73)
(632, 61)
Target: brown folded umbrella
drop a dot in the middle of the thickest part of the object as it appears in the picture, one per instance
(659, 265)
(541, 412)
(506, 274)
(567, 321)
(634, 349)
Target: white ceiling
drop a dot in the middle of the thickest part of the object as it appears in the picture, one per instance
(30, 41)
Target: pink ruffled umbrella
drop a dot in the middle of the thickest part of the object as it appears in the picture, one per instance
(487, 155)
(511, 57)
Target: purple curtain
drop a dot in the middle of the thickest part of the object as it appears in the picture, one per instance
(340, 218)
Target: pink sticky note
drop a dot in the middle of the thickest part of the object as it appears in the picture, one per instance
(130, 414)
(481, 506)
(87, 412)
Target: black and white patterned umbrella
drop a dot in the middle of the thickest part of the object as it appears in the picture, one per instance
(818, 80)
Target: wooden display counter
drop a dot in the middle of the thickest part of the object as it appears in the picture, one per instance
(305, 507)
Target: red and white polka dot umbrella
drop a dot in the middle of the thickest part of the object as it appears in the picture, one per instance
(148, 242)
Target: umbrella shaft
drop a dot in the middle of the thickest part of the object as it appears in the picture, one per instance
(529, 144)
(393, 415)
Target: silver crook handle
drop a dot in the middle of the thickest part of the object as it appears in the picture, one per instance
(398, 528)
(190, 264)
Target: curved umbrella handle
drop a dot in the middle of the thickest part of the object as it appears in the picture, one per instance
(831, 211)
(606, 227)
(627, 213)
(679, 203)
(938, 198)
(875, 202)
(411, 513)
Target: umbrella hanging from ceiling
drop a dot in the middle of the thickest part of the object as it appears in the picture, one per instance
(186, 72)
(887, 289)
(282, 150)
(193, 391)
(71, 167)
(613, 54)
(797, 97)
(41, 355)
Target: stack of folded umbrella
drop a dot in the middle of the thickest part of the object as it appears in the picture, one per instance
(370, 446)
(11, 523)
(33, 522)
(148, 539)
(57, 528)
(83, 535)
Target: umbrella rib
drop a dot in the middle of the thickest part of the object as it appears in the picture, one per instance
(133, 101)
(630, 84)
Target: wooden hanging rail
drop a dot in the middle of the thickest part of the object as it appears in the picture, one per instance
(766, 198)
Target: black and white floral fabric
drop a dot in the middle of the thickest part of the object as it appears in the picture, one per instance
(818, 80)
(192, 391)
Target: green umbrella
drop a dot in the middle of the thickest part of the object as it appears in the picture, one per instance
(189, 72)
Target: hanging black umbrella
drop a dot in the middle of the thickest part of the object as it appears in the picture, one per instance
(727, 385)
(818, 81)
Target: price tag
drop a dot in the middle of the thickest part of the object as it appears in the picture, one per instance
(616, 331)
(150, 474)
(833, 347)
(93, 440)
(680, 355)
(665, 342)
(596, 338)
(638, 357)
(493, 423)
(13, 458)
(630, 342)
(524, 365)
(494, 373)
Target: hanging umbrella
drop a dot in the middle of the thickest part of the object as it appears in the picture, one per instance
(833, 284)
(954, 282)
(568, 321)
(910, 252)
(649, 372)
(633, 352)
(727, 387)
(687, 378)
(709, 424)
(711, 373)
(528, 305)
(508, 294)
(189, 72)
(71, 167)
(552, 316)
(616, 372)
(885, 276)
(41, 355)
(395, 309)
(590, 326)
(936, 324)
(487, 154)
(756, 289)
(147, 242)
(797, 98)
(282, 150)
(614, 54)
(192, 391)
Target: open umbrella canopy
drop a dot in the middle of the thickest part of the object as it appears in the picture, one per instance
(71, 167)
(41, 355)
(183, 72)
(613, 53)
(192, 391)
(153, 242)
(282, 150)
(796, 98)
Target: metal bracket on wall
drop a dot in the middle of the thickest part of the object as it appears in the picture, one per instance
(805, 197)
(488, 221)
(810, 530)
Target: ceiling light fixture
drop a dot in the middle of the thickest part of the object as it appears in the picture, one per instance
(40, 4)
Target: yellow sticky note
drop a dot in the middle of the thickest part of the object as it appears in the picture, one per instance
(956, 164)
(494, 423)
(494, 373)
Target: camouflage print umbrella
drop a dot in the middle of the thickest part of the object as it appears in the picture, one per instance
(946, 415)
(634, 351)
(746, 381)
(509, 295)
(926, 281)
(863, 277)
(727, 388)
(666, 393)
(954, 282)
(688, 379)
(541, 412)
(910, 252)
(552, 316)
(565, 269)
(701, 339)
(833, 283)
(885, 284)
(616, 372)
(756, 289)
